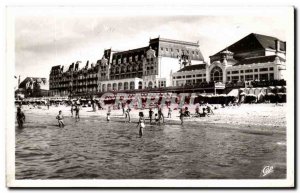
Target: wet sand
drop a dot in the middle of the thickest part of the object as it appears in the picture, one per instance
(234, 143)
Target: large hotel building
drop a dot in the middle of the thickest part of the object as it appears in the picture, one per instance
(174, 64)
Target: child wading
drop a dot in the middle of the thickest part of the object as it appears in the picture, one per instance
(141, 123)
(108, 113)
(160, 115)
(150, 114)
(77, 118)
(170, 113)
(20, 117)
(181, 115)
(127, 115)
(60, 118)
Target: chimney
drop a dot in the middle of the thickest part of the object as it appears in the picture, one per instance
(277, 45)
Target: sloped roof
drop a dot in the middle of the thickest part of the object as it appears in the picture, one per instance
(193, 67)
(261, 59)
(253, 42)
(268, 41)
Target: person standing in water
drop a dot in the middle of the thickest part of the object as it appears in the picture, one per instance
(181, 115)
(170, 113)
(60, 118)
(160, 115)
(127, 115)
(150, 114)
(77, 118)
(108, 113)
(141, 123)
(123, 108)
(20, 117)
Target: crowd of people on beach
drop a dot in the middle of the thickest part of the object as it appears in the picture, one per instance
(155, 114)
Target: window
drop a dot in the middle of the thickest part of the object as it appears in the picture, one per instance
(234, 78)
(271, 75)
(263, 77)
(248, 71)
(263, 69)
(235, 72)
(167, 49)
(196, 53)
(228, 78)
(178, 77)
(199, 75)
(242, 71)
(256, 77)
(216, 74)
(193, 52)
(255, 70)
(188, 76)
(161, 48)
(271, 68)
(228, 72)
(242, 78)
(171, 49)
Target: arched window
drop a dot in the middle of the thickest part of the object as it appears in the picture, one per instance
(103, 87)
(216, 74)
(150, 84)
(125, 85)
(115, 86)
(140, 84)
(120, 86)
(117, 70)
(131, 85)
(122, 69)
(108, 87)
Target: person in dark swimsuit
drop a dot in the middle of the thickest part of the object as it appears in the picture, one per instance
(141, 123)
(20, 117)
(150, 114)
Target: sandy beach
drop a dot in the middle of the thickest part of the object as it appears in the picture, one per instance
(268, 116)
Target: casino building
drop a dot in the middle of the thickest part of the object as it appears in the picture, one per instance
(253, 58)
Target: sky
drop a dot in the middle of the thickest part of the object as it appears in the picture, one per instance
(43, 41)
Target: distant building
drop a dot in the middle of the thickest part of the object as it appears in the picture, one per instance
(146, 67)
(172, 63)
(75, 78)
(254, 57)
(33, 87)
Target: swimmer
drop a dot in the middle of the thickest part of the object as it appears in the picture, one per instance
(141, 123)
(77, 118)
(127, 115)
(60, 118)
(20, 117)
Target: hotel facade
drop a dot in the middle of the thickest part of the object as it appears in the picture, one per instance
(166, 63)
